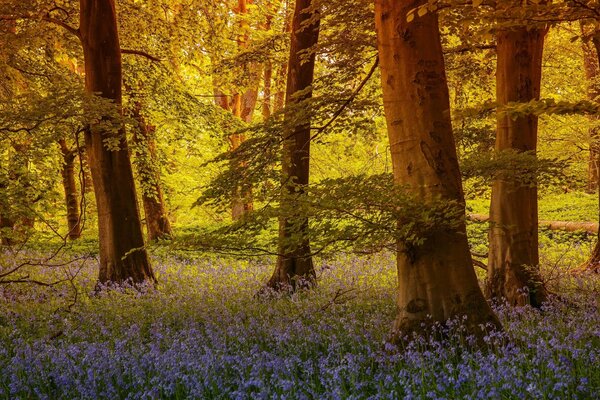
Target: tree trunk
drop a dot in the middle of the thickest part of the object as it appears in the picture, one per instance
(280, 78)
(592, 74)
(436, 280)
(20, 175)
(514, 259)
(268, 67)
(243, 105)
(593, 264)
(122, 252)
(6, 222)
(70, 187)
(295, 267)
(266, 100)
(87, 183)
(157, 221)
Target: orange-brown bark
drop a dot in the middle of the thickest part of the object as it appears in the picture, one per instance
(592, 74)
(157, 220)
(514, 257)
(122, 252)
(436, 280)
(294, 263)
(70, 188)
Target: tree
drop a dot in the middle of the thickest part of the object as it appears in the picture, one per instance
(514, 254)
(592, 74)
(122, 252)
(157, 220)
(436, 279)
(294, 262)
(70, 188)
(591, 58)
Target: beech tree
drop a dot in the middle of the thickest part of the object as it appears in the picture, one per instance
(592, 73)
(157, 220)
(294, 261)
(591, 58)
(436, 279)
(514, 255)
(70, 188)
(242, 102)
(122, 252)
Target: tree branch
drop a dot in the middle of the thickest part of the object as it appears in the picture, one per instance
(141, 53)
(69, 28)
(47, 18)
(468, 49)
(348, 101)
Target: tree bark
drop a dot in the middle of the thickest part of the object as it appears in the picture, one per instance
(87, 184)
(592, 74)
(514, 256)
(593, 264)
(243, 105)
(6, 222)
(294, 268)
(280, 78)
(70, 187)
(437, 280)
(157, 221)
(268, 67)
(24, 221)
(122, 253)
(266, 100)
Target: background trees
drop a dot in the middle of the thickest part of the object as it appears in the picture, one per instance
(193, 74)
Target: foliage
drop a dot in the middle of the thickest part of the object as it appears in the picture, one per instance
(357, 213)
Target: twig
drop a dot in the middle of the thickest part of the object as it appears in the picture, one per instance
(337, 298)
(348, 101)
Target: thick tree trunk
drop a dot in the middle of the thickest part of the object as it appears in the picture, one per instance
(122, 253)
(437, 279)
(157, 221)
(295, 267)
(514, 259)
(592, 74)
(593, 264)
(70, 187)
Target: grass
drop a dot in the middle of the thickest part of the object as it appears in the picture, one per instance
(203, 334)
(572, 206)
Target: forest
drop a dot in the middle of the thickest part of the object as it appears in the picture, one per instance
(299, 199)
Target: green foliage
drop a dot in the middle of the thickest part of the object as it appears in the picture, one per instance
(363, 213)
(182, 54)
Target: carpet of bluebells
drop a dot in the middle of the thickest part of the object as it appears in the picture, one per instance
(202, 333)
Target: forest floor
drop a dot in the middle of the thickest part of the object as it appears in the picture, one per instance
(203, 334)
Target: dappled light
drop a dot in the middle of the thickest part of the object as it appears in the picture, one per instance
(300, 199)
